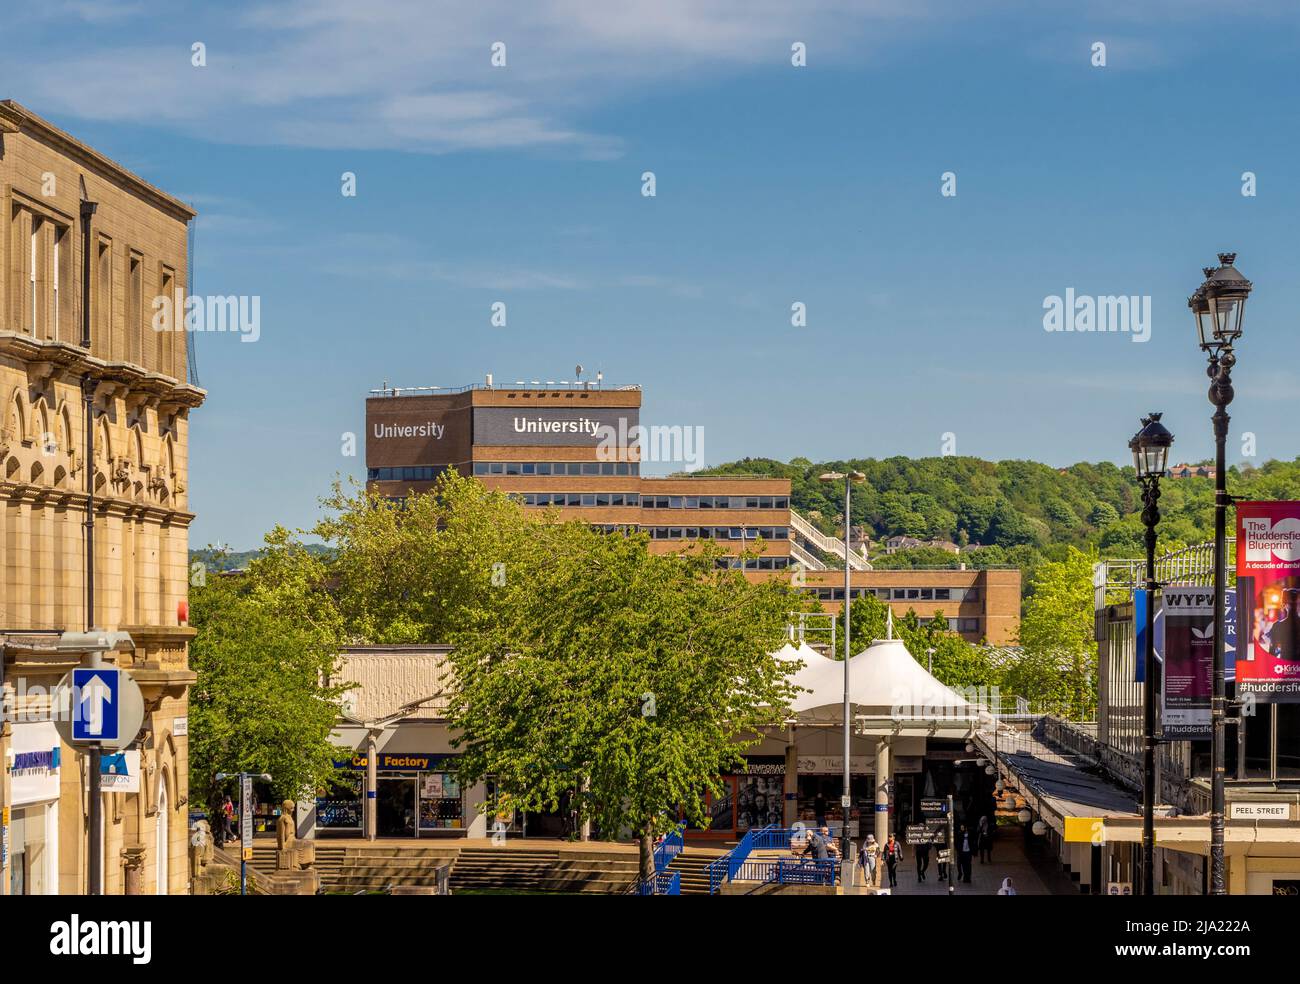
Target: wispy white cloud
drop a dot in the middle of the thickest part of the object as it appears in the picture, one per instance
(417, 75)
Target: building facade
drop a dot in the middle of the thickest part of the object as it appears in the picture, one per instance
(141, 398)
(580, 449)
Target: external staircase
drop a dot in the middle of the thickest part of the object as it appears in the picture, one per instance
(807, 535)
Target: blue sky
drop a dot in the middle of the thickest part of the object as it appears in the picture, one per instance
(775, 185)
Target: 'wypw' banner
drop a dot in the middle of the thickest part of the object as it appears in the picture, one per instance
(1187, 652)
(1268, 584)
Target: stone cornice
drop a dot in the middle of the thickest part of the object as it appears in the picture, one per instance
(15, 117)
(162, 391)
(104, 504)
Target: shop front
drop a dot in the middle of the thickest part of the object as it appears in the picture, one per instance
(29, 833)
(416, 794)
(749, 800)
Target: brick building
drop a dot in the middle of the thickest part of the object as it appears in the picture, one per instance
(580, 448)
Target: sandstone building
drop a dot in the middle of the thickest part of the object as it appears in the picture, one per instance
(142, 399)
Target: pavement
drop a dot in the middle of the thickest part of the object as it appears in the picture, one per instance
(1031, 874)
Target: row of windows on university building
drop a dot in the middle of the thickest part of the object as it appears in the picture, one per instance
(429, 474)
(591, 469)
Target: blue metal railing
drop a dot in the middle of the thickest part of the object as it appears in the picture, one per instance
(768, 838)
(669, 848)
(776, 838)
(663, 883)
(785, 871)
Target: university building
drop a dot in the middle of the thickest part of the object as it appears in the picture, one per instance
(141, 397)
(579, 448)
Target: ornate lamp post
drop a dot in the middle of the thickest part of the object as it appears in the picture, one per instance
(1219, 306)
(846, 799)
(1150, 447)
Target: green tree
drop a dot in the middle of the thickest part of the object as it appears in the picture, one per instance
(1060, 659)
(265, 654)
(586, 666)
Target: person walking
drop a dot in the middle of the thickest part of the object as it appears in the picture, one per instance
(1007, 887)
(986, 840)
(893, 854)
(867, 859)
(227, 821)
(922, 860)
(964, 853)
(819, 808)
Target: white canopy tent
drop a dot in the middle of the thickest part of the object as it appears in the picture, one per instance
(890, 693)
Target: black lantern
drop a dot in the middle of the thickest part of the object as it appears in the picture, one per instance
(1150, 447)
(1221, 308)
(1200, 308)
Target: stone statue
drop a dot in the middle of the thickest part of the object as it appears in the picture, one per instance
(285, 832)
(200, 847)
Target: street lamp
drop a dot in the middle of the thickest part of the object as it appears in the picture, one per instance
(846, 798)
(1219, 307)
(1150, 447)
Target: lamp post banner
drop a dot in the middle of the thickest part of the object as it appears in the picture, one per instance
(1268, 586)
(1188, 657)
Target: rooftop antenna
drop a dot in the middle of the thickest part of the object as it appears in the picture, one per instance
(599, 376)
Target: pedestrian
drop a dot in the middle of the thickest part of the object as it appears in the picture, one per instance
(893, 854)
(227, 820)
(819, 808)
(867, 858)
(922, 860)
(1007, 888)
(986, 840)
(964, 854)
(832, 845)
(817, 843)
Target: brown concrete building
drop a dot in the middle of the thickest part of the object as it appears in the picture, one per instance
(579, 448)
(142, 400)
(978, 604)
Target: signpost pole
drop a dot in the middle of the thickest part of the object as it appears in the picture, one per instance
(94, 859)
(95, 813)
(952, 850)
(245, 828)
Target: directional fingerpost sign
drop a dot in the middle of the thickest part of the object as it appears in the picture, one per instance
(96, 711)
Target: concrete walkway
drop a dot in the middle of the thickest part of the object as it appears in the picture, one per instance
(1029, 875)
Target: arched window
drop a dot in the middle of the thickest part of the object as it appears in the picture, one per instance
(162, 838)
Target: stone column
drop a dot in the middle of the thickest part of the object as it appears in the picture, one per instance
(133, 869)
(476, 821)
(790, 788)
(882, 790)
(372, 784)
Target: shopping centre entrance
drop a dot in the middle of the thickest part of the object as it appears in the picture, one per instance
(395, 806)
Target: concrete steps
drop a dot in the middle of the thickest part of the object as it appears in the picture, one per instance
(693, 869)
(374, 868)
